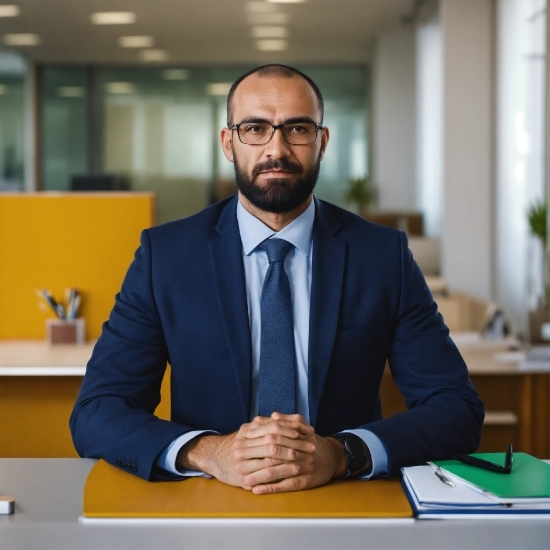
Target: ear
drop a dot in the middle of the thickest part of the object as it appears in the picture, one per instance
(226, 137)
(325, 135)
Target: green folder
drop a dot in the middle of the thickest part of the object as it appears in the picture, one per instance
(529, 479)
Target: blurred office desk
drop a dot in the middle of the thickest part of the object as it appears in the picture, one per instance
(38, 358)
(48, 506)
(39, 384)
(517, 401)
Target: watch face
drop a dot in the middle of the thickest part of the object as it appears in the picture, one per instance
(355, 452)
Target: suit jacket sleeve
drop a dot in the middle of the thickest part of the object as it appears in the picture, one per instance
(113, 417)
(445, 413)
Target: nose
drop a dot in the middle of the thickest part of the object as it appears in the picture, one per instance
(277, 146)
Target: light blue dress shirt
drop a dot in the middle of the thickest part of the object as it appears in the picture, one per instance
(298, 266)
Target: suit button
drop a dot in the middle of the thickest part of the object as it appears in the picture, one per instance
(118, 462)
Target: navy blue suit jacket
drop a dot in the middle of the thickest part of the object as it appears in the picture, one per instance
(184, 301)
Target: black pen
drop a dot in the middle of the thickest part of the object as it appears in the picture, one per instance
(486, 465)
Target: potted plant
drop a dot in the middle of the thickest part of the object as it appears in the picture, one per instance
(537, 219)
(362, 193)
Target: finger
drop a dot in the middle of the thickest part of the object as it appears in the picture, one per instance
(271, 443)
(256, 423)
(295, 420)
(296, 483)
(289, 428)
(275, 427)
(293, 417)
(289, 450)
(272, 474)
(255, 465)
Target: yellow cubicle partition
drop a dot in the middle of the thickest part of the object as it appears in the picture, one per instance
(57, 241)
(61, 240)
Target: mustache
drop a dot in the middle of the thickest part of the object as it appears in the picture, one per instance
(277, 164)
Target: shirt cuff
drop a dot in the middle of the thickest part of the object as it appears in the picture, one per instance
(378, 453)
(167, 459)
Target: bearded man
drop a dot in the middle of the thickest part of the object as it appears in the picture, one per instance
(277, 312)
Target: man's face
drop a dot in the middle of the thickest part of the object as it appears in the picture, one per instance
(276, 177)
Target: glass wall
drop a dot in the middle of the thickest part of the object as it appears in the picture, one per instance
(64, 126)
(12, 121)
(160, 131)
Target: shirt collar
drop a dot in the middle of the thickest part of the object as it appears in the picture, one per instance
(254, 232)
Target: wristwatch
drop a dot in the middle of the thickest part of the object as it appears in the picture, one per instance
(357, 453)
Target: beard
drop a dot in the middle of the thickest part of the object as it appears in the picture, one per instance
(278, 195)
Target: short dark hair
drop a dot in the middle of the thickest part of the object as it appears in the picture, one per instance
(274, 70)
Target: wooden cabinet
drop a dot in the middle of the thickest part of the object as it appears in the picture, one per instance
(517, 403)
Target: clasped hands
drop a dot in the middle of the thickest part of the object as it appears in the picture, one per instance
(272, 454)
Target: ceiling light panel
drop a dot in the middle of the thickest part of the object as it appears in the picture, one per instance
(271, 45)
(136, 41)
(9, 10)
(218, 88)
(21, 39)
(176, 74)
(153, 55)
(286, 1)
(269, 32)
(113, 18)
(260, 7)
(70, 91)
(269, 18)
(120, 88)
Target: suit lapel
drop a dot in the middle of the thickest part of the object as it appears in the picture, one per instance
(329, 258)
(227, 264)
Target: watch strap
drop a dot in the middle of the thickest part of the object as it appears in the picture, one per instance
(357, 452)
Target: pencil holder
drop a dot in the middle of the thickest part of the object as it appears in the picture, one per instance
(59, 331)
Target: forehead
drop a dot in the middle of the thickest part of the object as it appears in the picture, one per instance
(274, 98)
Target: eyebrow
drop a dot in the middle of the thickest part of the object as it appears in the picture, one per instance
(288, 121)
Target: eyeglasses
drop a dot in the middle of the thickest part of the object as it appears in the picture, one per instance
(260, 132)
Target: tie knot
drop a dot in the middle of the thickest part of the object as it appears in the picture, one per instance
(276, 249)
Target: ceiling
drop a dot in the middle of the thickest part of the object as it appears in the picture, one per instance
(203, 32)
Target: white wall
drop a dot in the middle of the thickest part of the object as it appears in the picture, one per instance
(394, 120)
(467, 217)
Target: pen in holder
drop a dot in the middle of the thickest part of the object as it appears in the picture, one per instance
(62, 331)
(67, 328)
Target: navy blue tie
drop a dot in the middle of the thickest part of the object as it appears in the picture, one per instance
(277, 377)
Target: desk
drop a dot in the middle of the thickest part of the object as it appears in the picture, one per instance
(48, 497)
(38, 358)
(517, 401)
(39, 384)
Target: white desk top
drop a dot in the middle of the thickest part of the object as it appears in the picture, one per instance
(48, 504)
(38, 358)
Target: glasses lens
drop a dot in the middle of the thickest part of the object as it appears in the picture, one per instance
(255, 133)
(300, 133)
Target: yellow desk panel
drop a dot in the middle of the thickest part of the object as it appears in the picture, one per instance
(61, 240)
(113, 493)
(35, 408)
(34, 416)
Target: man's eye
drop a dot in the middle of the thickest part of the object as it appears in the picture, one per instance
(254, 128)
(299, 129)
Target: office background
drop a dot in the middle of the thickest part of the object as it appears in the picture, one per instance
(439, 103)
